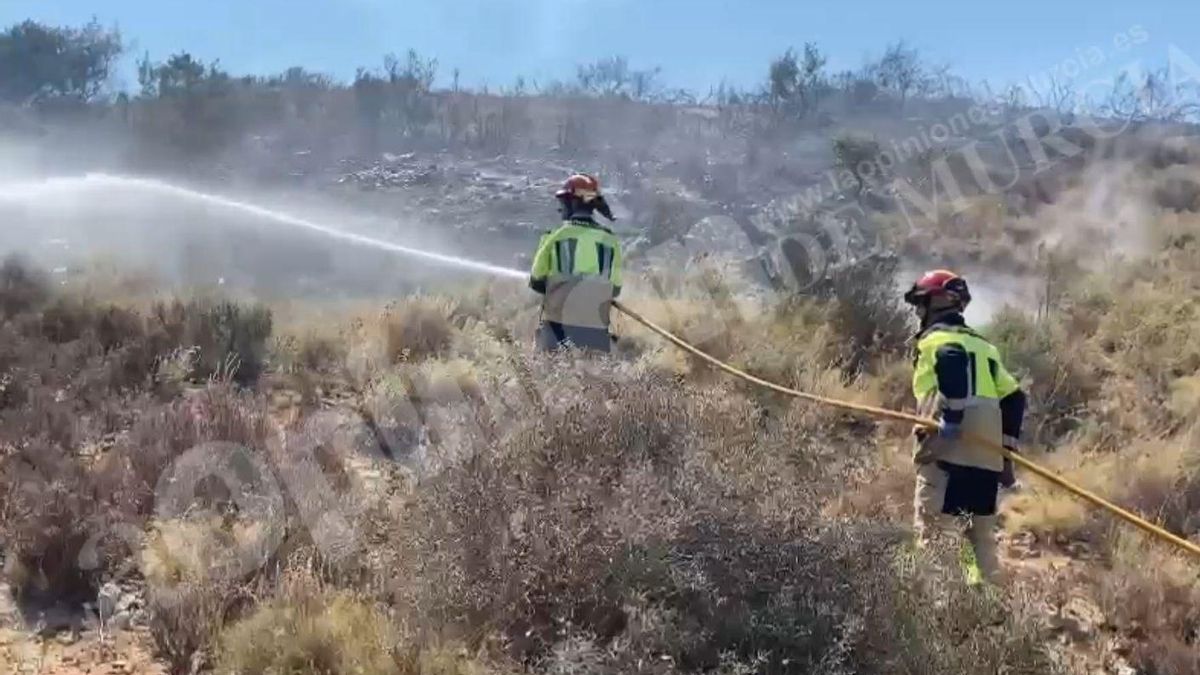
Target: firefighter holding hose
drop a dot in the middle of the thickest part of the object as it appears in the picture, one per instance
(960, 380)
(577, 270)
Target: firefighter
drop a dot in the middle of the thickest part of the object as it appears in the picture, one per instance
(577, 270)
(960, 380)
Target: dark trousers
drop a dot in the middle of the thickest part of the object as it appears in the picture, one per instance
(552, 336)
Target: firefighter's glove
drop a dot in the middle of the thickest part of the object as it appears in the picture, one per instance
(1008, 478)
(950, 431)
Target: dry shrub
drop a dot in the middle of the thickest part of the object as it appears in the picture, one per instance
(227, 337)
(217, 414)
(309, 352)
(856, 328)
(1152, 331)
(449, 659)
(1159, 479)
(65, 515)
(230, 338)
(96, 349)
(944, 626)
(886, 494)
(446, 381)
(237, 528)
(408, 331)
(891, 386)
(67, 319)
(516, 520)
(867, 315)
(416, 329)
(793, 339)
(715, 331)
(184, 622)
(1047, 362)
(675, 530)
(193, 584)
(1055, 515)
(1152, 596)
(47, 512)
(389, 405)
(1049, 514)
(309, 627)
(200, 548)
(1178, 193)
(23, 287)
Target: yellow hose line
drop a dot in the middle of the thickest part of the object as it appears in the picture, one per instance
(883, 413)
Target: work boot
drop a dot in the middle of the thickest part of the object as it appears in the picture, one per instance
(981, 534)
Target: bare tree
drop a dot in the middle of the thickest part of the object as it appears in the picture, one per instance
(795, 82)
(1058, 95)
(942, 81)
(612, 76)
(643, 84)
(1014, 100)
(900, 71)
(1153, 95)
(409, 84)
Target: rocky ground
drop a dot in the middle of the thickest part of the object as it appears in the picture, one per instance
(108, 637)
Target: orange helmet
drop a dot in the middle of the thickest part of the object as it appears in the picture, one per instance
(944, 286)
(581, 185)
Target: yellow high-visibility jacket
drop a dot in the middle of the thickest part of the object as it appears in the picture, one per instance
(578, 268)
(958, 376)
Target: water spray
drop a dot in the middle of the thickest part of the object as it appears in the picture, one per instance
(13, 192)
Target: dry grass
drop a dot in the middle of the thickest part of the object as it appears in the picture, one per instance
(449, 659)
(416, 329)
(306, 627)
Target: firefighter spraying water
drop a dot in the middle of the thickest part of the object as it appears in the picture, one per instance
(577, 270)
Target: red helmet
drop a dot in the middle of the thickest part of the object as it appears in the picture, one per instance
(581, 185)
(942, 285)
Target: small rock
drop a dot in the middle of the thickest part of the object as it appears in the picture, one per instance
(128, 602)
(106, 601)
(121, 621)
(1121, 647)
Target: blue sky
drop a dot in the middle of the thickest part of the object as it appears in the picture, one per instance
(697, 42)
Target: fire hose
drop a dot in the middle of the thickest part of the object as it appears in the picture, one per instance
(896, 416)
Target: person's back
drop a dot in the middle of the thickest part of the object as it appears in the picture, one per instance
(577, 267)
(949, 350)
(960, 379)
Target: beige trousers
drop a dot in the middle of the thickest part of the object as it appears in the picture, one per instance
(930, 522)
